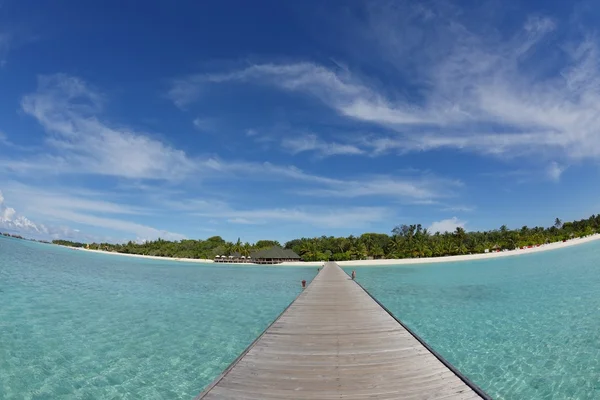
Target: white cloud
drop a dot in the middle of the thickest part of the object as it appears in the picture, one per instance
(67, 206)
(251, 132)
(13, 222)
(446, 225)
(67, 108)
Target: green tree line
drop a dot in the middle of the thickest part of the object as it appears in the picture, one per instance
(405, 241)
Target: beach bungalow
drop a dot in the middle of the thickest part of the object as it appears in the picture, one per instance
(234, 257)
(274, 255)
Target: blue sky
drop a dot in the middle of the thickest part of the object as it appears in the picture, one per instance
(288, 119)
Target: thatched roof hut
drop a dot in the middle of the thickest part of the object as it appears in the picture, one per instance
(274, 255)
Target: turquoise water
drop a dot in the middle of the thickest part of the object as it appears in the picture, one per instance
(525, 327)
(75, 325)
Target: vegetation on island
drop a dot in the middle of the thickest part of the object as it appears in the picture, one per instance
(405, 241)
(15, 236)
(12, 235)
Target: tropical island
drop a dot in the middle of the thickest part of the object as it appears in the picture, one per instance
(405, 241)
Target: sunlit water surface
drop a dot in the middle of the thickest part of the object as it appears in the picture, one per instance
(75, 325)
(524, 327)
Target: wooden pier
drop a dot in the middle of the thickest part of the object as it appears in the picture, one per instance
(335, 341)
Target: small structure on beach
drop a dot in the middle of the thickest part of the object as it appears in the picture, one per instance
(234, 257)
(274, 255)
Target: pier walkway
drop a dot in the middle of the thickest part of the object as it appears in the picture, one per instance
(337, 342)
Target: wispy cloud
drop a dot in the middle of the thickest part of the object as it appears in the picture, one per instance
(458, 208)
(81, 139)
(5, 143)
(479, 92)
(184, 91)
(205, 124)
(336, 88)
(555, 171)
(552, 171)
(68, 110)
(407, 187)
(39, 198)
(420, 188)
(311, 143)
(318, 216)
(351, 217)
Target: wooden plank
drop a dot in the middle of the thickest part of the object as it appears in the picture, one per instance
(335, 341)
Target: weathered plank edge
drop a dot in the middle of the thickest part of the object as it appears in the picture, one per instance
(239, 358)
(451, 367)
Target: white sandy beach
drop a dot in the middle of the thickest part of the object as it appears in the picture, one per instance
(375, 263)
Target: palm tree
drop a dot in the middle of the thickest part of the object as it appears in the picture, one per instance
(342, 244)
(245, 250)
(229, 248)
(237, 247)
(377, 251)
(308, 249)
(461, 249)
(395, 246)
(360, 251)
(558, 223)
(460, 234)
(369, 242)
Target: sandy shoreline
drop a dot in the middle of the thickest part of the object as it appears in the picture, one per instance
(375, 263)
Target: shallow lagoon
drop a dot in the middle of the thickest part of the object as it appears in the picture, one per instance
(523, 327)
(81, 325)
